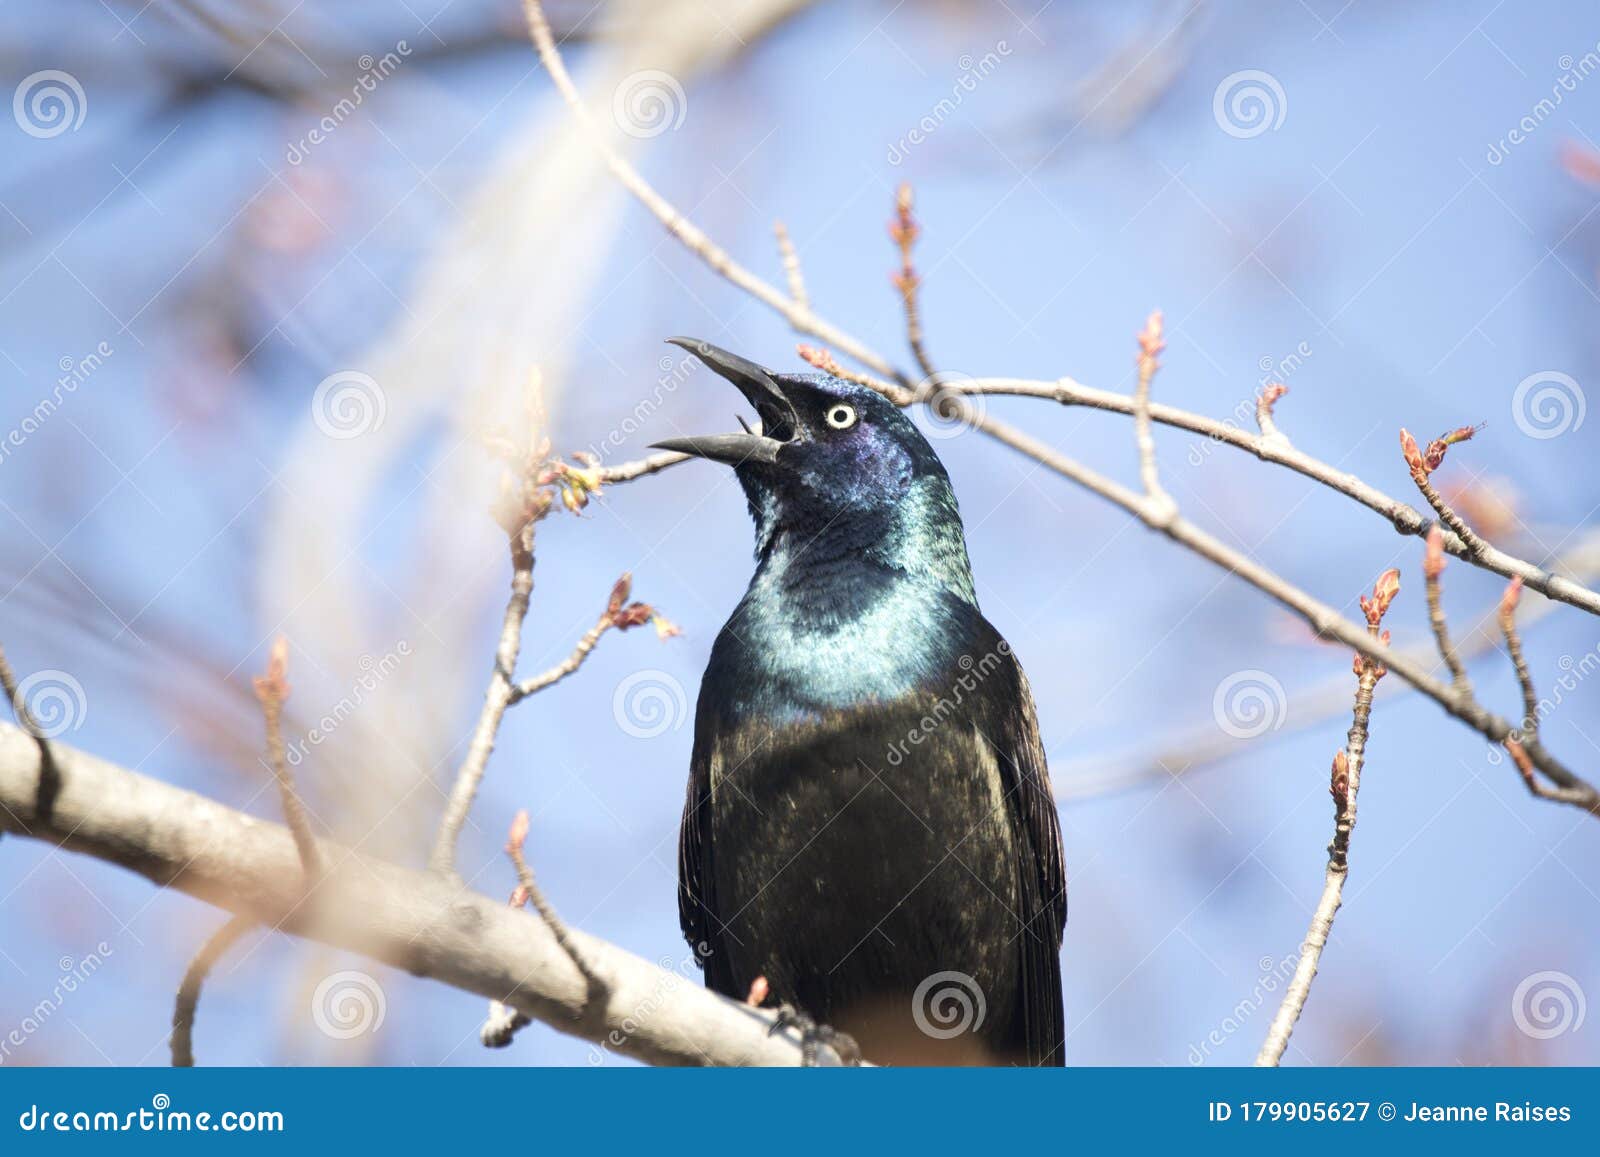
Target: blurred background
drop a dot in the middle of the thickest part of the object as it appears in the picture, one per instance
(269, 272)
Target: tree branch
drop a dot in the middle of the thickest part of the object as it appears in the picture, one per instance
(411, 920)
(1344, 783)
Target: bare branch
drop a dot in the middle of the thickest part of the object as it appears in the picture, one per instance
(272, 689)
(1508, 628)
(1344, 784)
(415, 921)
(1432, 568)
(616, 615)
(496, 698)
(903, 230)
(1422, 464)
(791, 264)
(1275, 448)
(1150, 347)
(194, 978)
(1265, 400)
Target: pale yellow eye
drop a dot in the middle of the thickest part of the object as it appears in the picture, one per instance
(841, 417)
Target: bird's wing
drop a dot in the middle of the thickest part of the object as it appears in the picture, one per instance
(1009, 723)
(696, 905)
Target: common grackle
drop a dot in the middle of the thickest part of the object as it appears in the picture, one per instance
(869, 822)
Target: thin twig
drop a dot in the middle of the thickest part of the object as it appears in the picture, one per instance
(1150, 347)
(496, 698)
(904, 230)
(791, 264)
(272, 689)
(1405, 518)
(628, 471)
(1508, 628)
(1577, 797)
(1344, 784)
(1422, 463)
(1265, 400)
(529, 890)
(1432, 568)
(194, 978)
(1323, 619)
(503, 1022)
(619, 615)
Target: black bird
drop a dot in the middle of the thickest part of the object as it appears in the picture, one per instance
(869, 823)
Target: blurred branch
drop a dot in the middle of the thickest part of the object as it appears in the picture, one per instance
(414, 921)
(194, 978)
(1344, 783)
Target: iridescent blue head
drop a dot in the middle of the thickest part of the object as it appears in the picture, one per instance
(835, 470)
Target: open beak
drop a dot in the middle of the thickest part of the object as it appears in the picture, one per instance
(756, 384)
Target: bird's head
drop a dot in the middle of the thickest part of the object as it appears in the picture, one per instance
(835, 466)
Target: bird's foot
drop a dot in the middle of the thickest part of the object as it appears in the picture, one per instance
(813, 1036)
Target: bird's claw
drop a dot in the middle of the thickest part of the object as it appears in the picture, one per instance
(814, 1035)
